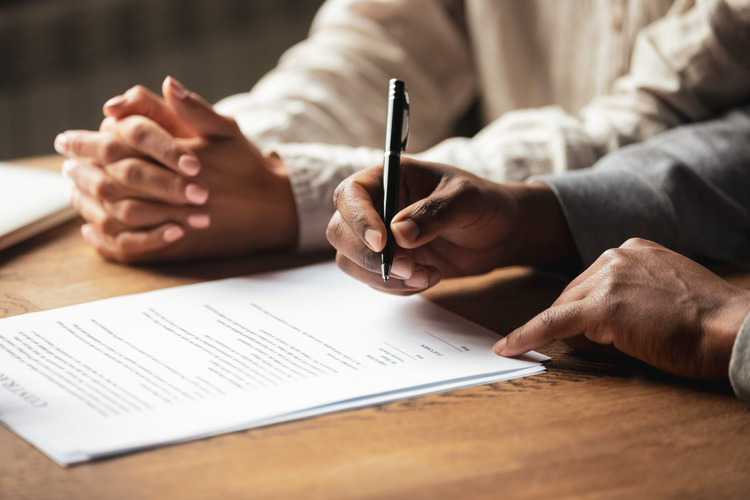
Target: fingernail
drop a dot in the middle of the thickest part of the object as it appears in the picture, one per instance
(67, 166)
(177, 89)
(173, 233)
(189, 165)
(61, 144)
(500, 346)
(196, 194)
(418, 279)
(406, 229)
(115, 101)
(401, 268)
(372, 238)
(87, 232)
(199, 221)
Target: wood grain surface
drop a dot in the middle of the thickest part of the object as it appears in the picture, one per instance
(590, 427)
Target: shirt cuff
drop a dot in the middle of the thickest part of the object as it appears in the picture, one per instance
(739, 364)
(605, 207)
(314, 172)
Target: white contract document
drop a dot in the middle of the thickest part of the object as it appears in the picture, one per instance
(137, 371)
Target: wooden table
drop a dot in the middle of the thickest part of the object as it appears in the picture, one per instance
(588, 428)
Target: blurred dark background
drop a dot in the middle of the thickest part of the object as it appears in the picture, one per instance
(60, 60)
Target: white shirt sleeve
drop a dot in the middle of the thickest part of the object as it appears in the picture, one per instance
(739, 364)
(332, 87)
(689, 66)
(323, 108)
(331, 90)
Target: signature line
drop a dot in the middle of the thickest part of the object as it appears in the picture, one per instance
(399, 350)
(441, 340)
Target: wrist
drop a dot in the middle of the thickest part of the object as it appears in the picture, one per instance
(542, 236)
(284, 229)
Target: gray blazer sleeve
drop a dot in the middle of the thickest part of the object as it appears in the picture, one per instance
(687, 189)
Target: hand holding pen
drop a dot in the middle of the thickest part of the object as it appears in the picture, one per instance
(452, 223)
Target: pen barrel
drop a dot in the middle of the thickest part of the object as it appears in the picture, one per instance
(391, 180)
(397, 105)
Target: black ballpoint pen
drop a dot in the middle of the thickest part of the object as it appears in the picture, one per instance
(395, 142)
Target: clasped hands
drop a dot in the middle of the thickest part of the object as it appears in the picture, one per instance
(169, 178)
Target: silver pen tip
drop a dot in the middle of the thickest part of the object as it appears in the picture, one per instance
(384, 272)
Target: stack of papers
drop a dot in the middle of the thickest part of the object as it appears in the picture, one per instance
(32, 200)
(133, 372)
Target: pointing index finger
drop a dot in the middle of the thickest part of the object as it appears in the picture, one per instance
(556, 323)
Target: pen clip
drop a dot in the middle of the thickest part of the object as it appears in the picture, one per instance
(407, 112)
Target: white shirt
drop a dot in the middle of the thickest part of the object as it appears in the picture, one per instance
(559, 83)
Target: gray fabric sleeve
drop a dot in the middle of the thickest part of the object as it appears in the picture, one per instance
(739, 365)
(687, 189)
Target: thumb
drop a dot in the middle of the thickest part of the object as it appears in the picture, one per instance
(196, 113)
(444, 210)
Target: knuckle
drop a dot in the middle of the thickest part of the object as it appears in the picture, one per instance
(356, 216)
(342, 262)
(330, 233)
(334, 229)
(109, 225)
(137, 130)
(103, 188)
(517, 337)
(406, 162)
(432, 209)
(171, 151)
(108, 150)
(126, 211)
(613, 256)
(340, 191)
(75, 199)
(130, 172)
(464, 187)
(74, 145)
(346, 265)
(174, 187)
(108, 124)
(137, 92)
(609, 305)
(90, 218)
(547, 318)
(123, 249)
(635, 243)
(229, 122)
(335, 233)
(468, 197)
(573, 312)
(605, 293)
